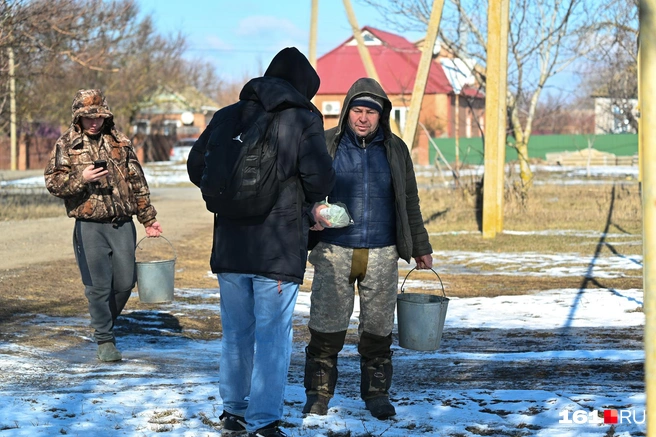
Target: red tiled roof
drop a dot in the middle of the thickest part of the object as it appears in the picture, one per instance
(396, 61)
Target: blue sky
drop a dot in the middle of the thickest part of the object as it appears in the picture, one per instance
(241, 37)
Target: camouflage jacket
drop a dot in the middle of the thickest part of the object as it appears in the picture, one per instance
(121, 194)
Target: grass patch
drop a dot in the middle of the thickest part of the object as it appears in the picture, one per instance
(613, 208)
(29, 203)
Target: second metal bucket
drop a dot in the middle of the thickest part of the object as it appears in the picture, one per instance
(421, 318)
(155, 278)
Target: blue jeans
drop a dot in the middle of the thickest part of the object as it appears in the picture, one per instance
(256, 316)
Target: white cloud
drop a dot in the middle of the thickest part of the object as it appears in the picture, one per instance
(269, 27)
(216, 43)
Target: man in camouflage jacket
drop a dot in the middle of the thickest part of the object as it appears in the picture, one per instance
(102, 199)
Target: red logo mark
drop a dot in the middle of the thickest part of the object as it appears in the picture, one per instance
(610, 416)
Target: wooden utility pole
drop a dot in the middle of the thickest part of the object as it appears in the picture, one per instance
(12, 109)
(369, 66)
(503, 109)
(456, 132)
(639, 122)
(313, 33)
(648, 136)
(362, 48)
(422, 74)
(495, 116)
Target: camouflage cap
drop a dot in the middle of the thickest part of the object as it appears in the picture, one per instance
(90, 103)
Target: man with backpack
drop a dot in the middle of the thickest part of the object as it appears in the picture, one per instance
(261, 225)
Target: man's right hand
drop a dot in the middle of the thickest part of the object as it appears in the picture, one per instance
(93, 174)
(320, 221)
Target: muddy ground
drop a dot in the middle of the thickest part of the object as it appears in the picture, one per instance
(39, 280)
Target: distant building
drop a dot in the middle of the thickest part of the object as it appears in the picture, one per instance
(179, 114)
(616, 101)
(450, 89)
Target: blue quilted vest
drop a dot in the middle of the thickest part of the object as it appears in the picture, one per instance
(364, 185)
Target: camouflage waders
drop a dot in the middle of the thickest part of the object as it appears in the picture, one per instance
(336, 269)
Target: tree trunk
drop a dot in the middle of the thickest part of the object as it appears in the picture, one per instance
(525, 173)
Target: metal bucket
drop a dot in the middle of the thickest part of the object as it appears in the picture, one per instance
(421, 318)
(155, 278)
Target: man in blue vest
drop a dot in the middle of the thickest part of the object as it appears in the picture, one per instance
(376, 182)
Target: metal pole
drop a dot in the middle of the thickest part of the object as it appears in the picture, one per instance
(495, 118)
(362, 48)
(422, 74)
(313, 33)
(12, 108)
(648, 134)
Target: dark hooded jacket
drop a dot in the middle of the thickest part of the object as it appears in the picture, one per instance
(411, 236)
(275, 247)
(122, 193)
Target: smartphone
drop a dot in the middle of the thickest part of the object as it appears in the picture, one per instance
(101, 163)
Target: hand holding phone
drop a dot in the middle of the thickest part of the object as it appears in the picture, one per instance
(95, 172)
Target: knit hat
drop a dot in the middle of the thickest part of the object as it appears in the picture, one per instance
(90, 103)
(368, 102)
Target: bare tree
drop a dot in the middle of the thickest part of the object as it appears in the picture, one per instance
(545, 37)
(611, 71)
(64, 45)
(559, 114)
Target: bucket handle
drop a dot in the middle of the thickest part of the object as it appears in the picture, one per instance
(175, 254)
(415, 268)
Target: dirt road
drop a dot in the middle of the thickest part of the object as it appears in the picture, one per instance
(181, 212)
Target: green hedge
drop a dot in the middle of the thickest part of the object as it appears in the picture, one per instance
(471, 149)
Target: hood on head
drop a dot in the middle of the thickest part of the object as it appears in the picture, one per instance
(92, 104)
(364, 91)
(292, 66)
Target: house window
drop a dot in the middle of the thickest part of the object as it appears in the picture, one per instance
(368, 38)
(141, 127)
(468, 125)
(169, 127)
(399, 115)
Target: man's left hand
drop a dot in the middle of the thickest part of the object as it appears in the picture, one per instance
(154, 230)
(424, 262)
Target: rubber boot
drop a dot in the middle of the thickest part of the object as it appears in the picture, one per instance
(375, 383)
(376, 374)
(321, 370)
(320, 380)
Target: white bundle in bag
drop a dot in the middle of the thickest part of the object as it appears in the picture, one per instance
(336, 214)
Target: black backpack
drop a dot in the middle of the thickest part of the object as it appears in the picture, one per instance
(240, 178)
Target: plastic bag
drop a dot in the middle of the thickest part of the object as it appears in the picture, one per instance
(336, 214)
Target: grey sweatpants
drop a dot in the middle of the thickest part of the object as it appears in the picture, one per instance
(105, 254)
(333, 288)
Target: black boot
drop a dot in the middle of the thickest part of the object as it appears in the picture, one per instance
(321, 370)
(376, 374)
(320, 379)
(375, 384)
